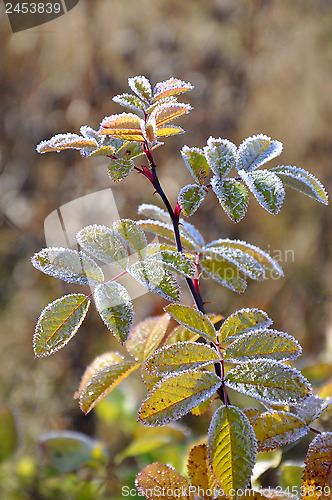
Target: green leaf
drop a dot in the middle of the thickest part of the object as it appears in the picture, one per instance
(146, 337)
(243, 321)
(129, 101)
(301, 180)
(255, 151)
(269, 381)
(119, 168)
(190, 198)
(59, 322)
(232, 195)
(157, 478)
(141, 86)
(274, 429)
(133, 235)
(67, 451)
(266, 187)
(232, 449)
(69, 265)
(156, 278)
(242, 260)
(181, 334)
(166, 231)
(196, 163)
(8, 434)
(115, 308)
(270, 265)
(177, 394)
(174, 261)
(100, 378)
(104, 244)
(224, 272)
(154, 212)
(193, 319)
(220, 155)
(261, 343)
(181, 356)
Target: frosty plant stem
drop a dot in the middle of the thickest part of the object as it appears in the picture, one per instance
(181, 373)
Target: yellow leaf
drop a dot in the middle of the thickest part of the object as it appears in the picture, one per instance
(147, 336)
(160, 482)
(170, 87)
(124, 126)
(317, 476)
(169, 111)
(200, 472)
(168, 130)
(66, 141)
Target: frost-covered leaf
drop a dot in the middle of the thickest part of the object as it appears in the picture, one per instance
(177, 394)
(181, 334)
(193, 319)
(232, 449)
(115, 308)
(274, 429)
(154, 212)
(255, 151)
(160, 482)
(166, 231)
(224, 272)
(169, 111)
(310, 409)
(125, 126)
(170, 87)
(102, 151)
(174, 261)
(69, 265)
(141, 86)
(146, 337)
(266, 187)
(263, 343)
(189, 230)
(66, 141)
(317, 477)
(133, 235)
(200, 472)
(190, 197)
(104, 244)
(232, 195)
(149, 379)
(220, 155)
(59, 322)
(179, 357)
(243, 321)
(119, 169)
(168, 130)
(201, 408)
(269, 264)
(106, 375)
(196, 163)
(269, 381)
(129, 101)
(156, 278)
(242, 260)
(303, 181)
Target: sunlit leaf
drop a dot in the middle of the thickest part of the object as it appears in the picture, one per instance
(201, 408)
(119, 169)
(104, 244)
(190, 197)
(232, 448)
(156, 278)
(59, 322)
(170, 87)
(8, 434)
(263, 343)
(150, 380)
(123, 126)
(269, 381)
(224, 272)
(303, 181)
(274, 429)
(181, 356)
(233, 197)
(200, 472)
(101, 151)
(146, 337)
(69, 265)
(67, 451)
(154, 212)
(243, 261)
(193, 319)
(177, 394)
(115, 307)
(181, 334)
(310, 409)
(220, 155)
(169, 111)
(243, 321)
(196, 163)
(133, 235)
(174, 261)
(168, 130)
(188, 229)
(166, 231)
(317, 477)
(266, 187)
(160, 482)
(255, 151)
(66, 141)
(129, 101)
(141, 86)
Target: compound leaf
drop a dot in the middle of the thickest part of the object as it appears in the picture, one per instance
(174, 261)
(243, 321)
(69, 265)
(199, 470)
(301, 180)
(317, 472)
(146, 337)
(104, 244)
(177, 394)
(220, 155)
(133, 235)
(59, 322)
(263, 343)
(232, 448)
(190, 197)
(196, 163)
(232, 195)
(115, 308)
(255, 151)
(266, 187)
(269, 381)
(157, 478)
(156, 278)
(119, 168)
(193, 319)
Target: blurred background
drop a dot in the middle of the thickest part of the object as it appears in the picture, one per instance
(258, 66)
